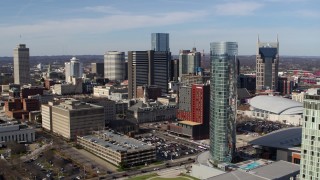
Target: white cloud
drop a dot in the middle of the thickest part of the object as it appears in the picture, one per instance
(100, 25)
(103, 9)
(237, 8)
(308, 13)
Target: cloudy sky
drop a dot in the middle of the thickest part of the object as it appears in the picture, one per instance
(74, 27)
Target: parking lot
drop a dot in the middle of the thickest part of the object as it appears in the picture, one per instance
(50, 165)
(168, 149)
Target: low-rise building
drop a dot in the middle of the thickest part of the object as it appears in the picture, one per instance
(274, 108)
(16, 132)
(118, 149)
(152, 111)
(67, 89)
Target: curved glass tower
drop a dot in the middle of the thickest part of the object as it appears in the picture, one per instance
(223, 98)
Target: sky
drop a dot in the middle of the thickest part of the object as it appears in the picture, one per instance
(92, 27)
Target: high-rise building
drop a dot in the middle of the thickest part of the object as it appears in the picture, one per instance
(310, 153)
(189, 61)
(73, 69)
(160, 42)
(267, 62)
(174, 70)
(21, 64)
(114, 65)
(147, 68)
(223, 98)
(98, 69)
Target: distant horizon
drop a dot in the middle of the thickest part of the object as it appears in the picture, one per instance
(58, 27)
(127, 54)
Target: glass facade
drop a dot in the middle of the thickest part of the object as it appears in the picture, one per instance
(310, 147)
(160, 42)
(223, 100)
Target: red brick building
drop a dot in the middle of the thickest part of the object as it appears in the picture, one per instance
(193, 113)
(25, 92)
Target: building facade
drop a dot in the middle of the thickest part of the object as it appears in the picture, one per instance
(72, 118)
(147, 68)
(98, 69)
(21, 64)
(16, 132)
(118, 149)
(193, 112)
(73, 69)
(160, 42)
(189, 61)
(223, 98)
(114, 65)
(310, 153)
(267, 63)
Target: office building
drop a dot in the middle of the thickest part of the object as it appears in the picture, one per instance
(267, 62)
(16, 132)
(152, 112)
(147, 68)
(97, 69)
(189, 61)
(285, 85)
(247, 81)
(223, 98)
(193, 112)
(118, 149)
(310, 153)
(174, 70)
(73, 69)
(160, 42)
(114, 65)
(21, 65)
(71, 118)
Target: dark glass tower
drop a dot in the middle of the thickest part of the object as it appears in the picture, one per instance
(223, 98)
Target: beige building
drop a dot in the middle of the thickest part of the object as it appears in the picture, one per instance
(21, 64)
(66, 89)
(72, 117)
(267, 62)
(152, 112)
(117, 148)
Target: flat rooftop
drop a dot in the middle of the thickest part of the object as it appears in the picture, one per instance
(117, 141)
(190, 123)
(274, 170)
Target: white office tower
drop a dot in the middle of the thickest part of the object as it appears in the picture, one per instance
(114, 65)
(73, 69)
(21, 64)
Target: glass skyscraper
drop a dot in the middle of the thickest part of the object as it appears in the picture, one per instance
(223, 98)
(160, 42)
(310, 144)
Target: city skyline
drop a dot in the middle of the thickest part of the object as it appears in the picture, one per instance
(81, 27)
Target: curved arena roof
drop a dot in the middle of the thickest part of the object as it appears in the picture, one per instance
(290, 138)
(277, 105)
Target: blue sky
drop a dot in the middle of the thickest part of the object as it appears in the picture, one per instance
(74, 27)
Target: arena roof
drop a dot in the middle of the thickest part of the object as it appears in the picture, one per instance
(289, 138)
(277, 105)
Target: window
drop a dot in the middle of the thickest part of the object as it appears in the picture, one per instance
(312, 119)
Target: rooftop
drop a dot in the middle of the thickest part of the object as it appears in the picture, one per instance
(190, 123)
(290, 138)
(277, 105)
(117, 141)
(275, 170)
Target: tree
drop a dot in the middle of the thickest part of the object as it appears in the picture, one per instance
(16, 148)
